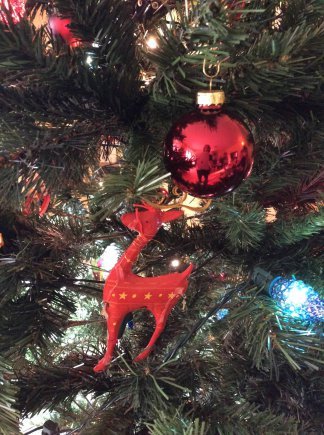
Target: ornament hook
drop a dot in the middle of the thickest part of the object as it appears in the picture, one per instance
(217, 65)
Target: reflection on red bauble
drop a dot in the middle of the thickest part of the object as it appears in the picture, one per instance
(60, 26)
(17, 9)
(208, 153)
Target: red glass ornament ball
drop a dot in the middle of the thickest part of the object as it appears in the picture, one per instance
(208, 154)
(60, 26)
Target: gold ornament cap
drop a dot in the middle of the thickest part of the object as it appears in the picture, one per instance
(210, 98)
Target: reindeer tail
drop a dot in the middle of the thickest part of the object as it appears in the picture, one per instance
(185, 274)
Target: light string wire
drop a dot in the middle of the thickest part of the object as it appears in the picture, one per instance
(184, 339)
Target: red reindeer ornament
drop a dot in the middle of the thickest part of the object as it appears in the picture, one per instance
(36, 200)
(125, 292)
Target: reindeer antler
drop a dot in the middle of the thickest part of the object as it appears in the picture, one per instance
(180, 203)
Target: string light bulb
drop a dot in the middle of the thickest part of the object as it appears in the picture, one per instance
(223, 312)
(151, 42)
(296, 298)
(175, 263)
(89, 59)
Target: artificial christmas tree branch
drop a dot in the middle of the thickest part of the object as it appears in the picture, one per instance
(100, 85)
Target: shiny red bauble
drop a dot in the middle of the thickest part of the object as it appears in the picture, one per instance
(209, 153)
(60, 26)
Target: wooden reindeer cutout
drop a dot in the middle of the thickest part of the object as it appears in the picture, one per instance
(125, 292)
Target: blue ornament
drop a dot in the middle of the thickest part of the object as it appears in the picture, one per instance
(297, 299)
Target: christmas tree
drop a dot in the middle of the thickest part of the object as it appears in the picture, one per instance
(89, 91)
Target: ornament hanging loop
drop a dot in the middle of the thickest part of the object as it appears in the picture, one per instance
(211, 76)
(217, 65)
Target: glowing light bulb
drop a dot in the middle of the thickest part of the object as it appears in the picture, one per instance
(175, 263)
(223, 312)
(89, 59)
(297, 299)
(108, 259)
(296, 295)
(151, 42)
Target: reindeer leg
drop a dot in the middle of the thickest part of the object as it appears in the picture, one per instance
(114, 321)
(160, 313)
